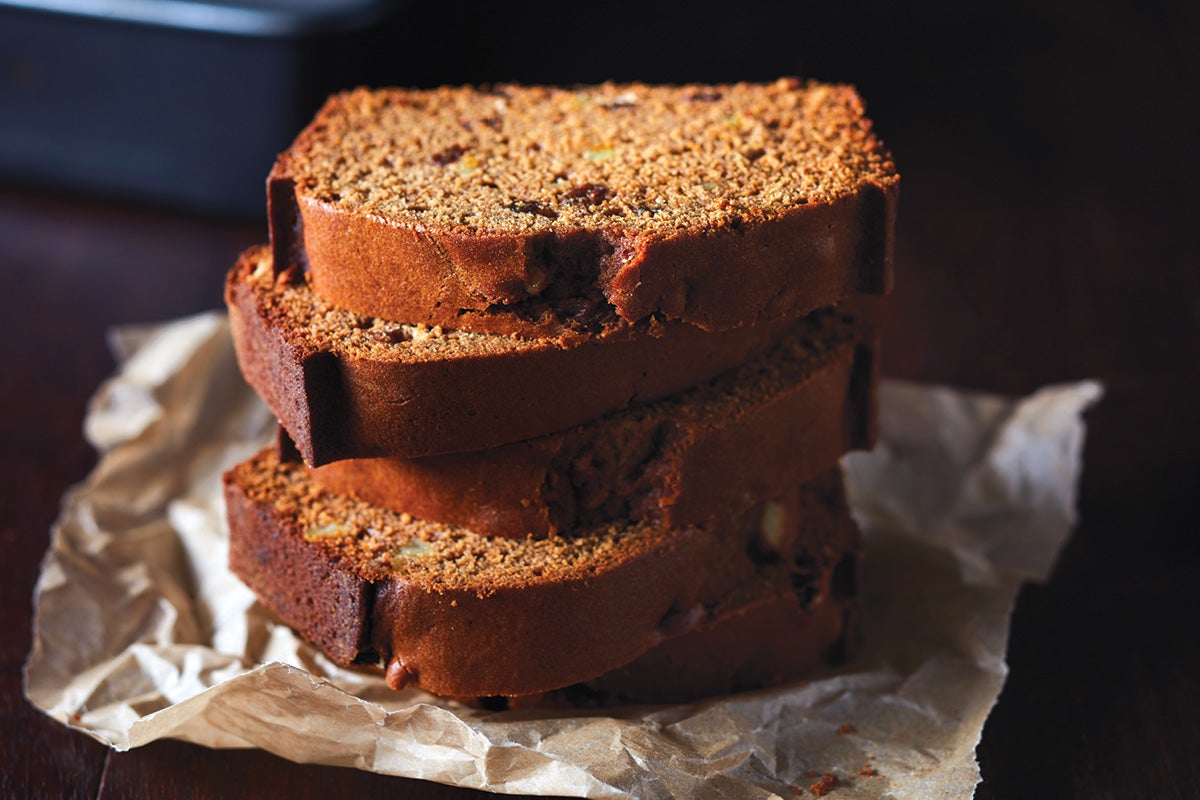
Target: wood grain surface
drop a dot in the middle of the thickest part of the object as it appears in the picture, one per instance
(1049, 216)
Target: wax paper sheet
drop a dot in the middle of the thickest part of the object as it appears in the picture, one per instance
(142, 633)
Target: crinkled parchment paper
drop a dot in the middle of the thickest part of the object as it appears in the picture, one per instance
(142, 633)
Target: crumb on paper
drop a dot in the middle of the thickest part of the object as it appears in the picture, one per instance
(846, 728)
(824, 785)
(867, 771)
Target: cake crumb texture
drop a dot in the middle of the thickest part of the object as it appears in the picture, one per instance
(510, 158)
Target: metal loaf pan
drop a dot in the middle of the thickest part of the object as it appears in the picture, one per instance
(182, 103)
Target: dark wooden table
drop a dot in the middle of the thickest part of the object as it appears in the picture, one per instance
(1048, 232)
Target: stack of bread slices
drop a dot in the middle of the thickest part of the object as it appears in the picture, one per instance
(563, 377)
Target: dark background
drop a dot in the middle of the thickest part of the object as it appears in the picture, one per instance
(1047, 232)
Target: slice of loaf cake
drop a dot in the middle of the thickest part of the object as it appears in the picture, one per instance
(466, 615)
(717, 448)
(542, 211)
(349, 386)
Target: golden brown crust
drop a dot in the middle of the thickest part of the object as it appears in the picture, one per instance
(715, 449)
(538, 211)
(772, 640)
(461, 614)
(349, 386)
(329, 603)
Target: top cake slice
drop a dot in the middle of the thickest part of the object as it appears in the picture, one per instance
(539, 211)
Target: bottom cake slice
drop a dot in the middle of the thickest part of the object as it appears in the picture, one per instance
(633, 611)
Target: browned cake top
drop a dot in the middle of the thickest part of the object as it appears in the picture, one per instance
(630, 156)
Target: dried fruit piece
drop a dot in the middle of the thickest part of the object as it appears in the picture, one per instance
(532, 207)
(771, 525)
(329, 531)
(586, 194)
(448, 155)
(392, 335)
(467, 166)
(413, 549)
